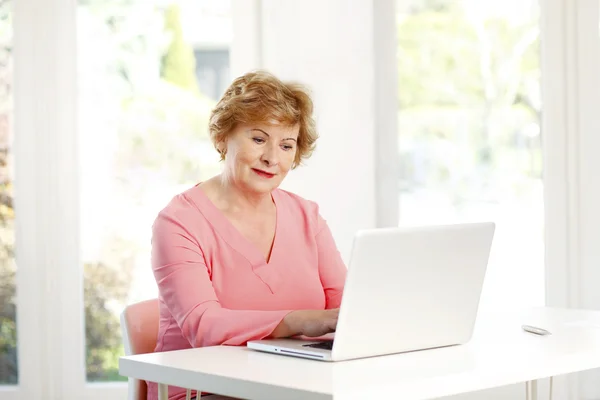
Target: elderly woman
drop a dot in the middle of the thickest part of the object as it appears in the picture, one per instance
(235, 257)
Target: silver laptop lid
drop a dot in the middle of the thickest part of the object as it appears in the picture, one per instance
(412, 288)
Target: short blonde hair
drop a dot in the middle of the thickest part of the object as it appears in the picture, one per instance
(260, 97)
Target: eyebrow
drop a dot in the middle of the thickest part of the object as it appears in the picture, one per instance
(257, 129)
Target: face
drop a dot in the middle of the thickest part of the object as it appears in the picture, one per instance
(259, 156)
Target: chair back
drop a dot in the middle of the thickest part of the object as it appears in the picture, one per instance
(139, 327)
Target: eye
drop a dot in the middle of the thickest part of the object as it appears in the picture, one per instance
(287, 147)
(258, 140)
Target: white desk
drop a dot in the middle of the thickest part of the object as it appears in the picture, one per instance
(499, 354)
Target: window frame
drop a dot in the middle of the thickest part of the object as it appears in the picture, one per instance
(50, 321)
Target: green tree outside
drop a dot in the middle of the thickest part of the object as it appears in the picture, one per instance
(162, 121)
(8, 309)
(175, 96)
(179, 63)
(468, 85)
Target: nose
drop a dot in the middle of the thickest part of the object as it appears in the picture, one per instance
(270, 157)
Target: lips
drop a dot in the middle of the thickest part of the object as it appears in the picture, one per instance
(262, 173)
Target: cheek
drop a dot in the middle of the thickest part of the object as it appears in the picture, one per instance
(246, 157)
(289, 160)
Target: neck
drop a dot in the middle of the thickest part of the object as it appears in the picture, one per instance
(238, 199)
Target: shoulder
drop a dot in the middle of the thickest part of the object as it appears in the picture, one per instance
(294, 200)
(299, 207)
(179, 206)
(180, 213)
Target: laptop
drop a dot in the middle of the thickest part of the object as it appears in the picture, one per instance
(407, 289)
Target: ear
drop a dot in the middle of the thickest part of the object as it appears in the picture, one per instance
(222, 148)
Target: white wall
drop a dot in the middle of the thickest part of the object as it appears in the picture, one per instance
(337, 65)
(49, 288)
(590, 217)
(572, 126)
(329, 46)
(589, 167)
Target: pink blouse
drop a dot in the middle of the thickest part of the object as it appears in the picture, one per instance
(215, 286)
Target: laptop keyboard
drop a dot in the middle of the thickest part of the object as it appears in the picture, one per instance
(326, 345)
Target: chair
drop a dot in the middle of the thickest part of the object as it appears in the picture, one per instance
(139, 327)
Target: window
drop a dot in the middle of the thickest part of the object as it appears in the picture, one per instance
(469, 126)
(8, 331)
(142, 138)
(150, 73)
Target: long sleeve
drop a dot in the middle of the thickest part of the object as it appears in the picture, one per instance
(331, 266)
(186, 288)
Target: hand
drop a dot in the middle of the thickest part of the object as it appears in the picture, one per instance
(313, 323)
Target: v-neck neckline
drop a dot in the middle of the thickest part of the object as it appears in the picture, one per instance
(232, 235)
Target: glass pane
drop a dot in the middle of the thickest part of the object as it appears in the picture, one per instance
(469, 126)
(8, 329)
(150, 72)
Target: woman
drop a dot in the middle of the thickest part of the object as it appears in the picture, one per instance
(236, 258)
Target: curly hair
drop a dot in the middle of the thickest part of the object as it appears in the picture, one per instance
(260, 97)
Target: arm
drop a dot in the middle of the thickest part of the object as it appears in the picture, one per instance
(331, 266)
(185, 286)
